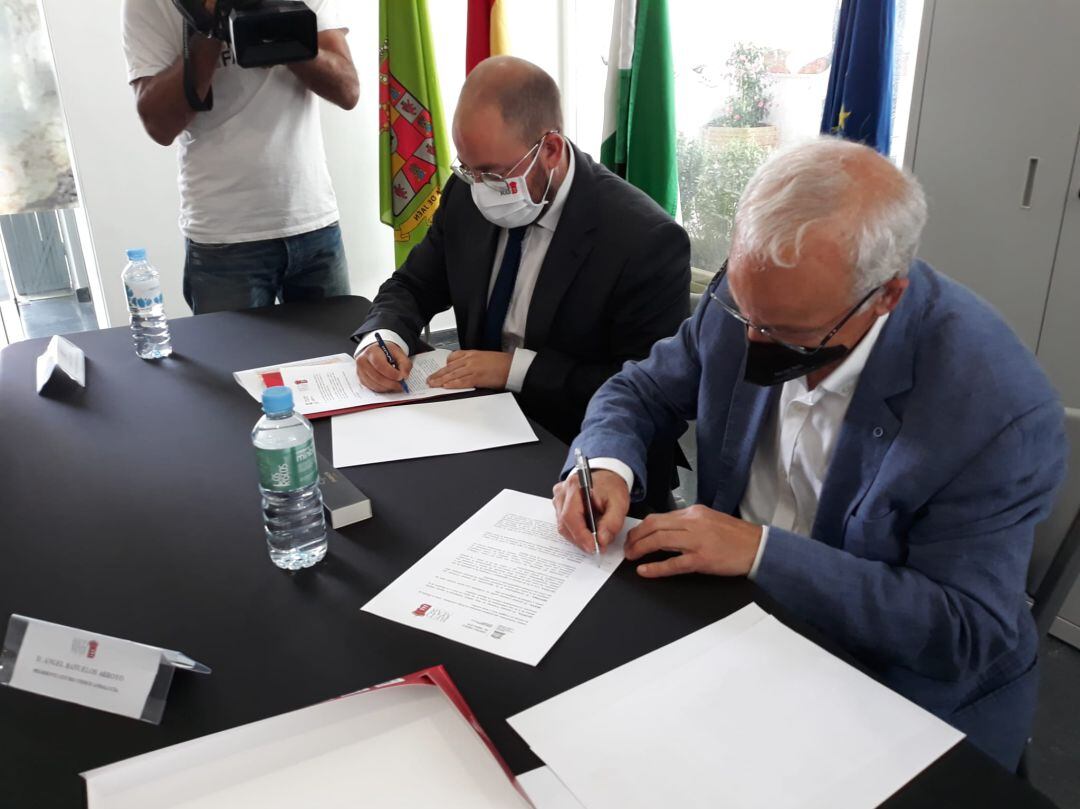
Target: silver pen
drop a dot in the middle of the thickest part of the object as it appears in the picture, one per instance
(584, 473)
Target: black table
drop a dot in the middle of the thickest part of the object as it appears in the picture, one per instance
(132, 509)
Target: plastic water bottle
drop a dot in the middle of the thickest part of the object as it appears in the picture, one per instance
(289, 481)
(149, 327)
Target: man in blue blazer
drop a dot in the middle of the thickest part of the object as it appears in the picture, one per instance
(875, 445)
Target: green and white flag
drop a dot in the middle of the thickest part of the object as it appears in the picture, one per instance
(639, 103)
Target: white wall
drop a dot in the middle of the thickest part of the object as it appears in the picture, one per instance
(128, 184)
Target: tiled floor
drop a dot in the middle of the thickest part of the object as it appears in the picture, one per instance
(49, 316)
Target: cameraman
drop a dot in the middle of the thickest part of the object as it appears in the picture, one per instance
(258, 210)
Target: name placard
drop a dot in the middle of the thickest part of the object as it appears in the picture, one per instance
(86, 668)
(62, 363)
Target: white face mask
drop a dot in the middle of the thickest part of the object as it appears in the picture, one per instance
(512, 207)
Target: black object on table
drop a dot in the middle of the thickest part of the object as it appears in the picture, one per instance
(131, 508)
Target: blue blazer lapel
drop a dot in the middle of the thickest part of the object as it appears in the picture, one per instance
(872, 421)
(746, 416)
(867, 433)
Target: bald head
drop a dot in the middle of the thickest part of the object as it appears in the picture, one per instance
(523, 96)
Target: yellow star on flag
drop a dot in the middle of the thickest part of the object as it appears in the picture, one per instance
(842, 119)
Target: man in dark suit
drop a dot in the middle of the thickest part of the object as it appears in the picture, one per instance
(558, 271)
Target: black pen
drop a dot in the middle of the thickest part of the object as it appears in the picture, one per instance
(390, 359)
(585, 479)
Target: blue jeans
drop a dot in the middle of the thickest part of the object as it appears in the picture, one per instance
(307, 267)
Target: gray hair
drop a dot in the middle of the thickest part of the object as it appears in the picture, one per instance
(826, 178)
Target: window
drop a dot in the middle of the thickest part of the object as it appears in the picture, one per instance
(749, 77)
(44, 288)
(749, 80)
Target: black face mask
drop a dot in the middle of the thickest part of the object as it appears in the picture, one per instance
(769, 363)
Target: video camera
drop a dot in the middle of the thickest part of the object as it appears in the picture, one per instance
(261, 33)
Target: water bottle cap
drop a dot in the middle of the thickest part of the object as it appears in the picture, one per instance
(277, 400)
(137, 254)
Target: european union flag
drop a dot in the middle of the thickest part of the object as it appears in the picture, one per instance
(859, 102)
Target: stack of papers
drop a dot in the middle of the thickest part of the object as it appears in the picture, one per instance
(327, 386)
(411, 743)
(743, 713)
(504, 582)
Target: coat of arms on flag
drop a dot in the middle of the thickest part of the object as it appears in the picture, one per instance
(414, 165)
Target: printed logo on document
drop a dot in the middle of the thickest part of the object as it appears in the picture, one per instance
(425, 611)
(84, 648)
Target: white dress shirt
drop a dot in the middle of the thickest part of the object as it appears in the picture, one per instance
(534, 249)
(794, 449)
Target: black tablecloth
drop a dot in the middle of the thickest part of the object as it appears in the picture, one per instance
(132, 509)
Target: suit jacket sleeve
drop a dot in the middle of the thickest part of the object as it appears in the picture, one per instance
(419, 289)
(951, 609)
(649, 303)
(647, 400)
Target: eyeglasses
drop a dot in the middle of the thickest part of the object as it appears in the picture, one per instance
(499, 182)
(788, 339)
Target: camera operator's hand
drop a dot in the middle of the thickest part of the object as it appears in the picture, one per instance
(377, 374)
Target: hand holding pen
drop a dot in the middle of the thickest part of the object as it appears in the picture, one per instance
(584, 473)
(608, 501)
(390, 359)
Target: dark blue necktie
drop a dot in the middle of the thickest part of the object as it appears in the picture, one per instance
(499, 302)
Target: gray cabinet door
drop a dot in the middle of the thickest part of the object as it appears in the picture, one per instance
(1002, 88)
(1059, 343)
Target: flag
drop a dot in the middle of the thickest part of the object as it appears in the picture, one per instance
(414, 163)
(858, 105)
(486, 32)
(639, 103)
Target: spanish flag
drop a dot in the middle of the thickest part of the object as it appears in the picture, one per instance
(486, 32)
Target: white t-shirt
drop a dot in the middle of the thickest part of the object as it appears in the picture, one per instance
(254, 167)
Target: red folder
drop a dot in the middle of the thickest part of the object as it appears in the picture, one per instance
(438, 677)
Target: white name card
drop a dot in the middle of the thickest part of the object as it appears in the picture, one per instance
(98, 671)
(61, 360)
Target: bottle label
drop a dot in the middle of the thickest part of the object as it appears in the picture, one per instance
(144, 295)
(285, 470)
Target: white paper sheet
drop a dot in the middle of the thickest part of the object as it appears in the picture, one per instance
(335, 386)
(405, 746)
(763, 719)
(546, 791)
(504, 582)
(578, 703)
(429, 428)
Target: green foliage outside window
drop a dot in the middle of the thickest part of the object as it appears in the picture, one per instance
(750, 99)
(711, 180)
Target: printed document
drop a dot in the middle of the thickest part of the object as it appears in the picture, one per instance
(330, 385)
(504, 582)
